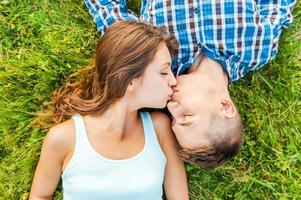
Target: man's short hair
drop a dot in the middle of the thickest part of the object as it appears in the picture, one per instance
(225, 136)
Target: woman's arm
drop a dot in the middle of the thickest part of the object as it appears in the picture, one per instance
(175, 181)
(54, 150)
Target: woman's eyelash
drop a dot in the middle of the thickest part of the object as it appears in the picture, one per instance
(164, 73)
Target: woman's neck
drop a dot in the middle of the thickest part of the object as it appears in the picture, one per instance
(118, 118)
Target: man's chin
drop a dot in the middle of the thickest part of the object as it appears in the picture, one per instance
(171, 104)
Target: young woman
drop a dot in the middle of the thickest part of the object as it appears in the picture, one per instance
(109, 149)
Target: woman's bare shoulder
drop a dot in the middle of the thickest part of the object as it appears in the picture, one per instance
(63, 127)
(162, 125)
(61, 137)
(161, 120)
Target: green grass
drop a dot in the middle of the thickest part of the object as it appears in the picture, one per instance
(44, 41)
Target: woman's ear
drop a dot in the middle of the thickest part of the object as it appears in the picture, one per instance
(134, 84)
(228, 108)
(131, 87)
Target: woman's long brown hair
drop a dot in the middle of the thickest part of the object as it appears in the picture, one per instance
(122, 54)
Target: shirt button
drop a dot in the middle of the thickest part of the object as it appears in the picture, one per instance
(196, 10)
(163, 28)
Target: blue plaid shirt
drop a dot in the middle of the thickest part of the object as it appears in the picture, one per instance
(242, 35)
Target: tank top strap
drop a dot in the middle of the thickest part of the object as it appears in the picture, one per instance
(79, 126)
(81, 146)
(149, 130)
(82, 140)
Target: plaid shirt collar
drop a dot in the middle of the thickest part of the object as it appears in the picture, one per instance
(241, 35)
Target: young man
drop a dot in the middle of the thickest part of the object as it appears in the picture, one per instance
(219, 42)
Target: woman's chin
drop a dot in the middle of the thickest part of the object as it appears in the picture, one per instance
(163, 105)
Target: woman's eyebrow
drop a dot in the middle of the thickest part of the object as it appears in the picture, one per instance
(168, 63)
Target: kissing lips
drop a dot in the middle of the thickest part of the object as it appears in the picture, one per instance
(169, 98)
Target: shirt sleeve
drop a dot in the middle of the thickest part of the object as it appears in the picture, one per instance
(106, 12)
(249, 40)
(242, 35)
(276, 15)
(277, 11)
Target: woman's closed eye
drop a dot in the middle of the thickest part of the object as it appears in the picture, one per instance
(164, 73)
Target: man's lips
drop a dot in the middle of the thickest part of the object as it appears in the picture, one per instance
(169, 98)
(175, 89)
(174, 96)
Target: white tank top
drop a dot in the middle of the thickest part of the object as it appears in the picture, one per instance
(89, 175)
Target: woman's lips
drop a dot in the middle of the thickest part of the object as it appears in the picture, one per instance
(169, 98)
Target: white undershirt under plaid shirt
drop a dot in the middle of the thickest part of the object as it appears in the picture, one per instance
(242, 35)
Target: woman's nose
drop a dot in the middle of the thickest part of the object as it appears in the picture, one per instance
(172, 81)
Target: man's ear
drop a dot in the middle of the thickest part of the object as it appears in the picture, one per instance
(228, 108)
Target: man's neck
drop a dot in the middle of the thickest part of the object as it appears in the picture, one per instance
(211, 68)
